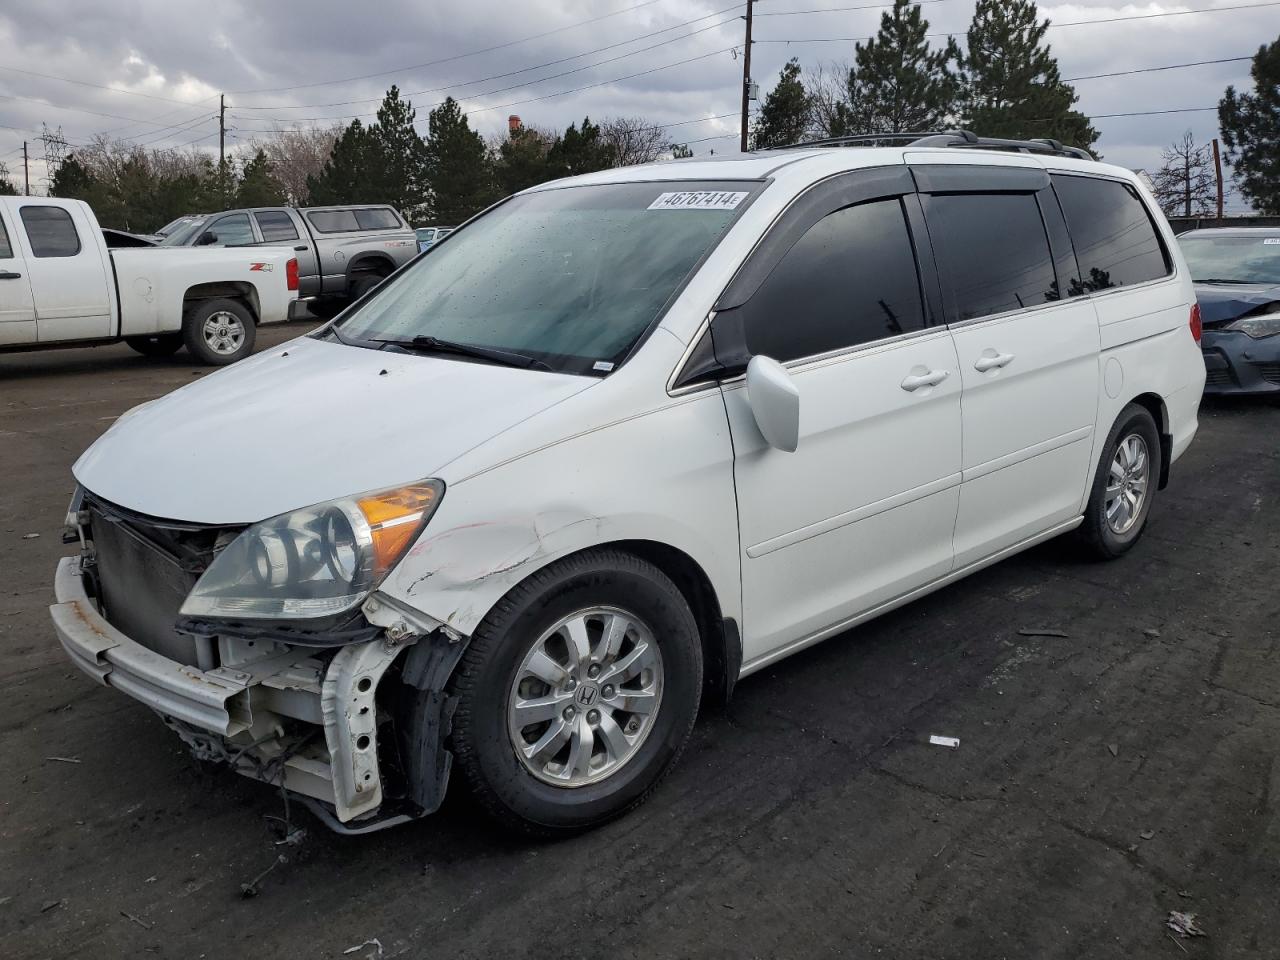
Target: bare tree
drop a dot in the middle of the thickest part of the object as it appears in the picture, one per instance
(1186, 185)
(828, 87)
(295, 153)
(634, 140)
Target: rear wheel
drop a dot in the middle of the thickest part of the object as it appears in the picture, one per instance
(161, 345)
(577, 693)
(362, 283)
(1123, 486)
(218, 332)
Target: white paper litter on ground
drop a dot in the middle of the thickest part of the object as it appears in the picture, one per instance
(952, 742)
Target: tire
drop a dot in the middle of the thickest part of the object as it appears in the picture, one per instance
(218, 332)
(1107, 538)
(161, 345)
(530, 796)
(361, 284)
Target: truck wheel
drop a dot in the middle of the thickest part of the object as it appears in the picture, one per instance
(1125, 482)
(218, 332)
(577, 693)
(161, 345)
(362, 283)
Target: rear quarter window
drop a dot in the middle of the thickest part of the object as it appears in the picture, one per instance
(379, 219)
(1115, 239)
(333, 221)
(6, 249)
(51, 231)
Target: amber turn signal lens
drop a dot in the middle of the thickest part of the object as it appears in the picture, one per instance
(394, 518)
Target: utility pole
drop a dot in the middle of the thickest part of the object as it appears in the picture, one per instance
(26, 172)
(222, 130)
(1217, 168)
(746, 79)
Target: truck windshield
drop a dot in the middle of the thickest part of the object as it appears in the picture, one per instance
(184, 234)
(1252, 259)
(571, 277)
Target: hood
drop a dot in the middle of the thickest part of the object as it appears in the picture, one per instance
(307, 422)
(1220, 303)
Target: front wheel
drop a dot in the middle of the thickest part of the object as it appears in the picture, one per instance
(1123, 485)
(218, 332)
(160, 345)
(577, 693)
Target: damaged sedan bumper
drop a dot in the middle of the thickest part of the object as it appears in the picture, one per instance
(304, 719)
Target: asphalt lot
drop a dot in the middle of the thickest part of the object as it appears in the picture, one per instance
(1102, 780)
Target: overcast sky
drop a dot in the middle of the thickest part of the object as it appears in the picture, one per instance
(287, 62)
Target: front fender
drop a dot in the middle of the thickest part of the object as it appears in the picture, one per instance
(665, 477)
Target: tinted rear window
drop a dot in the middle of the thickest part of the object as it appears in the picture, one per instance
(1115, 241)
(378, 219)
(333, 221)
(275, 225)
(992, 250)
(51, 231)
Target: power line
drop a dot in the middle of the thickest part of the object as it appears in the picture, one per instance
(1150, 113)
(512, 73)
(490, 93)
(1172, 66)
(1053, 26)
(101, 86)
(872, 6)
(455, 57)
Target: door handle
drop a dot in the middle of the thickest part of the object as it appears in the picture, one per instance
(302, 248)
(930, 379)
(9, 275)
(991, 361)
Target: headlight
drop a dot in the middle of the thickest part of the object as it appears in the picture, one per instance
(317, 561)
(1259, 325)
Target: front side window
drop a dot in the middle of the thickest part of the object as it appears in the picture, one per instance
(276, 226)
(231, 231)
(51, 231)
(571, 277)
(1233, 259)
(992, 252)
(1115, 241)
(850, 279)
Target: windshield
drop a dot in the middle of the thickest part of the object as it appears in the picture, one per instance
(571, 276)
(185, 233)
(1238, 259)
(171, 226)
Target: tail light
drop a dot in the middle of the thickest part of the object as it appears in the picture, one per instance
(291, 276)
(1196, 328)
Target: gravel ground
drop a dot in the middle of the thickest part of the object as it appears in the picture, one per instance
(1103, 779)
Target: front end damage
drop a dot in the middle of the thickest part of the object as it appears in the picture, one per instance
(353, 719)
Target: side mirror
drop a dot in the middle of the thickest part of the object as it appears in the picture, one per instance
(208, 238)
(774, 399)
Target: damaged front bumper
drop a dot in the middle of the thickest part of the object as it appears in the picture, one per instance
(304, 719)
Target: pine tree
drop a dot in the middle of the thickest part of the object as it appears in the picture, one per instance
(458, 170)
(1251, 131)
(898, 82)
(397, 156)
(1012, 87)
(522, 160)
(580, 151)
(344, 176)
(258, 186)
(784, 115)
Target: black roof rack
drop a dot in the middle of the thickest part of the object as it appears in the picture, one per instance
(964, 139)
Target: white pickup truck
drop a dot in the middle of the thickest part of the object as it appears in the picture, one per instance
(61, 286)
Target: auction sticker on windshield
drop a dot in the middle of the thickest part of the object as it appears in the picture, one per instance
(699, 200)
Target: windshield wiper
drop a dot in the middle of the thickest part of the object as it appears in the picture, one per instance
(1224, 280)
(507, 358)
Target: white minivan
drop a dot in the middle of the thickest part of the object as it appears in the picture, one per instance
(623, 440)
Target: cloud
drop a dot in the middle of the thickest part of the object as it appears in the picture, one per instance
(187, 52)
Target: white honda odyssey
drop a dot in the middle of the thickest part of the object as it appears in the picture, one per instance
(618, 442)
